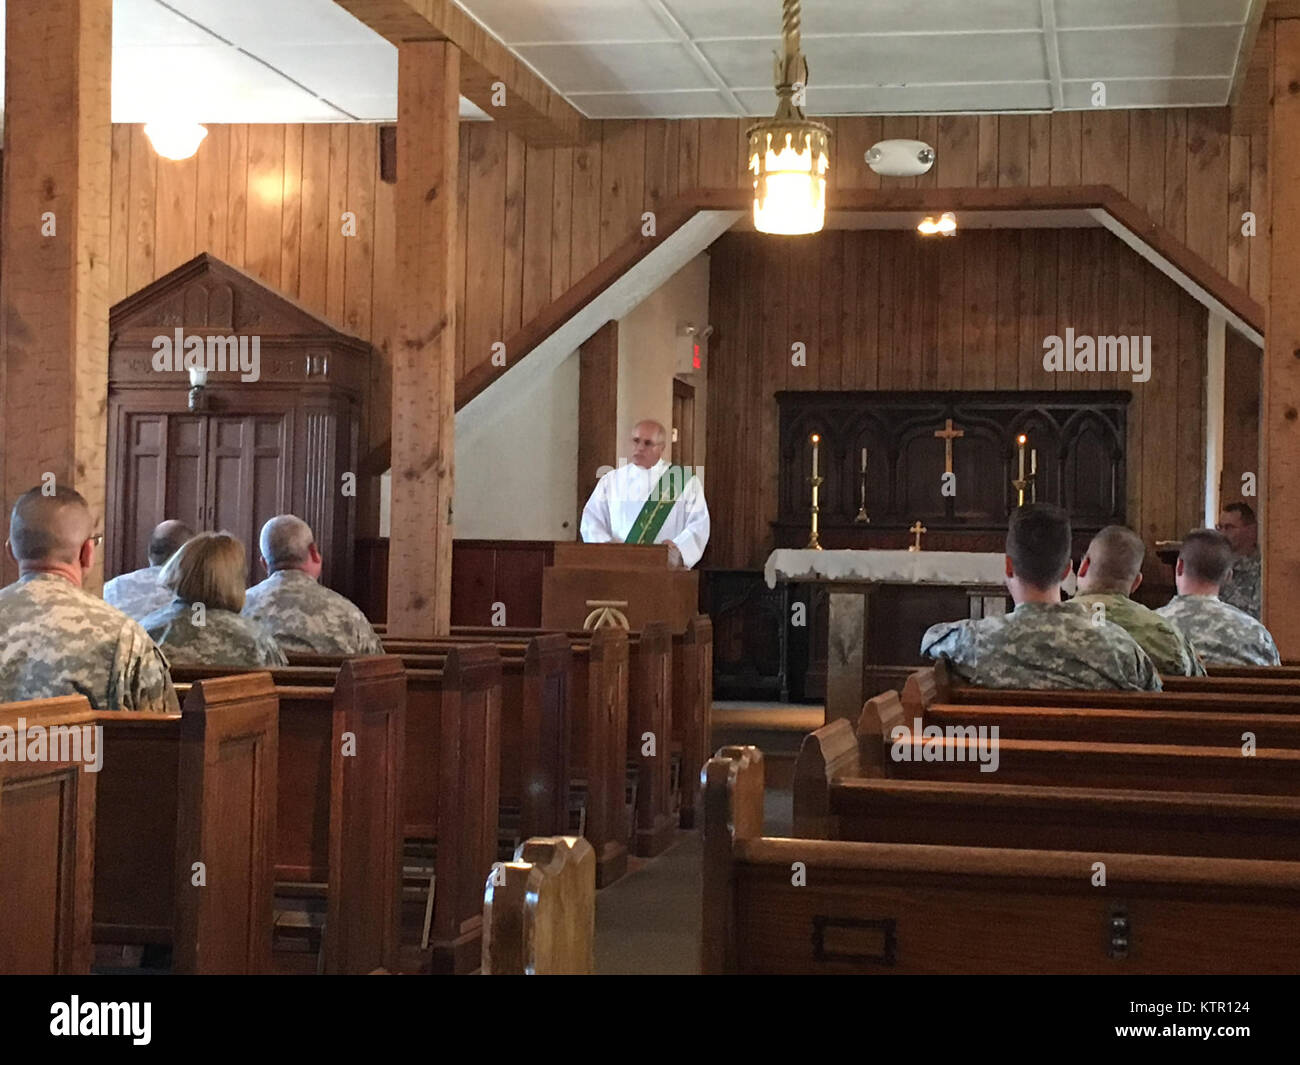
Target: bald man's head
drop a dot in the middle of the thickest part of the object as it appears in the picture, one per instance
(50, 529)
(168, 537)
(1113, 562)
(287, 543)
(648, 441)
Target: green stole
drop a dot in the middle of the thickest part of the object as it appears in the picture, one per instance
(658, 506)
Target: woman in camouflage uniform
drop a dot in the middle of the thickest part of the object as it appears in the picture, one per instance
(202, 625)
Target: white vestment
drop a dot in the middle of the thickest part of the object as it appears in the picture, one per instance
(614, 506)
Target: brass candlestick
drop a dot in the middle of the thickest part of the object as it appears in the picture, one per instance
(1020, 486)
(813, 543)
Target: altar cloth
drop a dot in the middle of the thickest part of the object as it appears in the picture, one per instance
(886, 567)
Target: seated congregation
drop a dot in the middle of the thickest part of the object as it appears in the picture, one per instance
(505, 767)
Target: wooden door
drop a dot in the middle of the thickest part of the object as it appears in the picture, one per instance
(683, 432)
(247, 478)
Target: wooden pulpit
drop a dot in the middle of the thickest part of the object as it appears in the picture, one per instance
(591, 584)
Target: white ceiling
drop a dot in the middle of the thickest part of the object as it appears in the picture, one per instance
(250, 61)
(696, 58)
(311, 61)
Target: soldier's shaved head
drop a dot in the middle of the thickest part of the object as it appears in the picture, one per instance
(1113, 562)
(286, 543)
(1206, 556)
(168, 537)
(50, 528)
(1038, 544)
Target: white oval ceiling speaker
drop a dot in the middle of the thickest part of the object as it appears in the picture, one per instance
(900, 158)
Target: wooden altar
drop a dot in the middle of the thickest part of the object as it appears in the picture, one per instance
(911, 440)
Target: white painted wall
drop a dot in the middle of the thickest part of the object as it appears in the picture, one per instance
(650, 353)
(516, 463)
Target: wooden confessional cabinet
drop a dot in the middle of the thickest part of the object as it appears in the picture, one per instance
(234, 452)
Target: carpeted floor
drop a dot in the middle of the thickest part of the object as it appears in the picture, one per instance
(649, 921)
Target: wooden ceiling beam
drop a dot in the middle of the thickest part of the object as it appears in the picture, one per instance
(489, 70)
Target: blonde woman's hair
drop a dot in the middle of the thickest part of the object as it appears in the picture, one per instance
(208, 569)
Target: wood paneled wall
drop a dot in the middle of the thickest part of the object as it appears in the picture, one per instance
(891, 310)
(533, 221)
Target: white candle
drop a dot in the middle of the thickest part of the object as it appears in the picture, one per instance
(864, 460)
(1033, 462)
(815, 440)
(1020, 447)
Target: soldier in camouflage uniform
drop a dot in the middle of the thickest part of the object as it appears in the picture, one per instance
(58, 639)
(303, 615)
(1221, 634)
(1241, 588)
(1043, 643)
(138, 593)
(1108, 575)
(202, 625)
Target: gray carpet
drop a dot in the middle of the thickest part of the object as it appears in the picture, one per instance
(649, 922)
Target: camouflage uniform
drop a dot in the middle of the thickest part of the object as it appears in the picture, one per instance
(61, 640)
(224, 639)
(1221, 634)
(137, 593)
(1164, 642)
(308, 618)
(1042, 645)
(1241, 589)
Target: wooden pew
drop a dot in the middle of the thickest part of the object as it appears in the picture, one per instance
(598, 687)
(650, 713)
(692, 708)
(339, 789)
(932, 684)
(47, 848)
(535, 709)
(833, 799)
(1161, 767)
(539, 911)
(911, 908)
(177, 790)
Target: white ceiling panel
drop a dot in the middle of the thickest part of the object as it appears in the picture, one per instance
(1146, 12)
(903, 60)
(205, 83)
(762, 18)
(693, 104)
(265, 21)
(642, 67)
(570, 21)
(1149, 53)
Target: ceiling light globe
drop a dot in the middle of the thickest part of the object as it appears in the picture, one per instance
(175, 140)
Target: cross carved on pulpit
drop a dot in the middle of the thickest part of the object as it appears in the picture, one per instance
(948, 434)
(917, 529)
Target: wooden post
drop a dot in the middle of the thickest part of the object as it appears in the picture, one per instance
(597, 409)
(54, 288)
(1279, 496)
(424, 359)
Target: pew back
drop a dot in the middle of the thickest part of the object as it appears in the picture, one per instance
(817, 906)
(47, 833)
(539, 911)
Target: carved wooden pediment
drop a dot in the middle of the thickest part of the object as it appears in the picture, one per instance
(208, 295)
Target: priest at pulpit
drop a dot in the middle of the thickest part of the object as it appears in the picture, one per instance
(649, 501)
(1043, 643)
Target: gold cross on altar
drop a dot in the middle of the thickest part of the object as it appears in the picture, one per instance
(948, 434)
(918, 529)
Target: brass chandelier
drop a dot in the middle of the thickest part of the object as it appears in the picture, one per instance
(789, 154)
